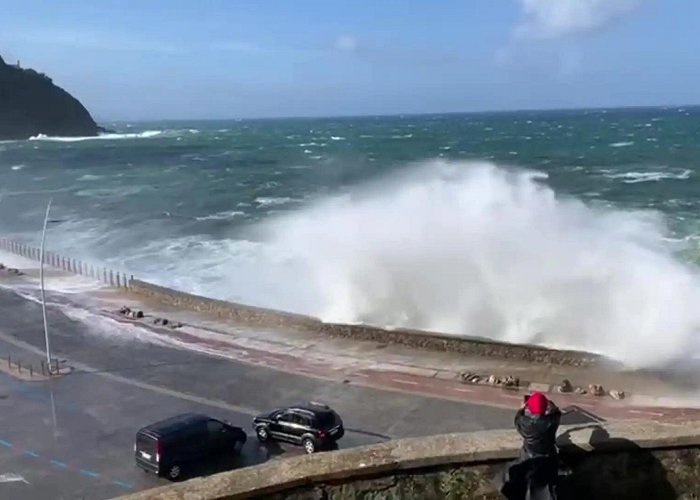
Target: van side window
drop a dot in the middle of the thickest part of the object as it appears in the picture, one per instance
(214, 427)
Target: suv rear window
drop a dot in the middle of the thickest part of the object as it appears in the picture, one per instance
(325, 419)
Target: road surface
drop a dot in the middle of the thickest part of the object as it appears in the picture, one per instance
(73, 437)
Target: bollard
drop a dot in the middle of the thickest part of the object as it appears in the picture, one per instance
(31, 371)
(111, 277)
(43, 367)
(104, 275)
(19, 366)
(118, 281)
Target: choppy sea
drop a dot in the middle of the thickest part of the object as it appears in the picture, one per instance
(568, 228)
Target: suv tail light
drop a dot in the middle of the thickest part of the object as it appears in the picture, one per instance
(157, 451)
(321, 434)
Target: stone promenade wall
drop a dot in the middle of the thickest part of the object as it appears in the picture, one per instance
(622, 461)
(268, 318)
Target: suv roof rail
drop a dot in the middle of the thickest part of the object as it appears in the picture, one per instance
(322, 405)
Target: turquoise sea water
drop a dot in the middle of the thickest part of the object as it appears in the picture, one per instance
(297, 213)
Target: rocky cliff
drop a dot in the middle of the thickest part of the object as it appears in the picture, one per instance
(30, 104)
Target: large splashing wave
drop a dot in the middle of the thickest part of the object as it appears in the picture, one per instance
(472, 248)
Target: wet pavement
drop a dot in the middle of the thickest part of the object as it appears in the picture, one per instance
(72, 437)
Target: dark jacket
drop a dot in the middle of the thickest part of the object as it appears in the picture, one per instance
(539, 432)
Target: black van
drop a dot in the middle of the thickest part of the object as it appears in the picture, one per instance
(170, 446)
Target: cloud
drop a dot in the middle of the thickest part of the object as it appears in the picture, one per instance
(346, 43)
(548, 19)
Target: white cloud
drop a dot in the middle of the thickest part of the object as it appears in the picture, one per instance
(346, 43)
(547, 19)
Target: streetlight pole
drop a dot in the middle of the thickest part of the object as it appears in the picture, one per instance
(41, 279)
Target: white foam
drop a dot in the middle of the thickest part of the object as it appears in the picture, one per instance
(225, 215)
(337, 138)
(623, 144)
(635, 177)
(89, 177)
(17, 167)
(140, 135)
(470, 248)
(266, 201)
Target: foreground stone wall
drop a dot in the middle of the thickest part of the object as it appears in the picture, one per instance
(632, 460)
(268, 318)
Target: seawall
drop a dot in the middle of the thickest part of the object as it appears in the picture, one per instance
(245, 315)
(631, 460)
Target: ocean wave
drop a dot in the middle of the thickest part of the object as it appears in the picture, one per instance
(337, 138)
(622, 144)
(635, 177)
(17, 167)
(404, 136)
(225, 215)
(89, 177)
(452, 246)
(267, 201)
(140, 135)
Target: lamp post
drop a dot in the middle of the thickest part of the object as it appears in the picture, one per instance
(41, 279)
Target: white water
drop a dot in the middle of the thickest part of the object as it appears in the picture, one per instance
(140, 135)
(470, 248)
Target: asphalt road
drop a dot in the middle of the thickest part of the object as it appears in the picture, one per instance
(73, 437)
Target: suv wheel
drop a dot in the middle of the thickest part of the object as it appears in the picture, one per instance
(309, 445)
(262, 433)
(174, 472)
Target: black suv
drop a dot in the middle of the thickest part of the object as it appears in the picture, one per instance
(170, 446)
(313, 425)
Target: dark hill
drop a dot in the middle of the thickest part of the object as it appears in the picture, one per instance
(30, 104)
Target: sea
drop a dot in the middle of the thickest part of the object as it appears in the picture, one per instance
(572, 228)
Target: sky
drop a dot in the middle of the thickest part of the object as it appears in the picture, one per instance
(187, 59)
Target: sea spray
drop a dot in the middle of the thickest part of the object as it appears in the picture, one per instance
(476, 249)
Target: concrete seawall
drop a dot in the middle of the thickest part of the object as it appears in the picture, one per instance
(621, 461)
(268, 318)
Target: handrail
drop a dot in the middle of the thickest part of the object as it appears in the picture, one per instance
(68, 264)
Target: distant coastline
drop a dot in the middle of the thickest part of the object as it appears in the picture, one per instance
(32, 105)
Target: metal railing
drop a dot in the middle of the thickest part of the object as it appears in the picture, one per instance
(75, 266)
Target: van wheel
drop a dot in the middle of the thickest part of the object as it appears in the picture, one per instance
(309, 445)
(262, 433)
(174, 472)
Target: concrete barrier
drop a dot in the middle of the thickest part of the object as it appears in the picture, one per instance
(631, 460)
(268, 318)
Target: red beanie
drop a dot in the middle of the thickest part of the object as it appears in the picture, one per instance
(537, 403)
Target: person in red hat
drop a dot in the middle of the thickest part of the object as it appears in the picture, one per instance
(534, 474)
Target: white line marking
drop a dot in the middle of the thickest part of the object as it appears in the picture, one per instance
(459, 389)
(12, 478)
(402, 381)
(652, 413)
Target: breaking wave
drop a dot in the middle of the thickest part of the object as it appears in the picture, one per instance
(475, 249)
(140, 135)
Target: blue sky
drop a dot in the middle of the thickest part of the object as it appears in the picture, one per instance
(130, 60)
